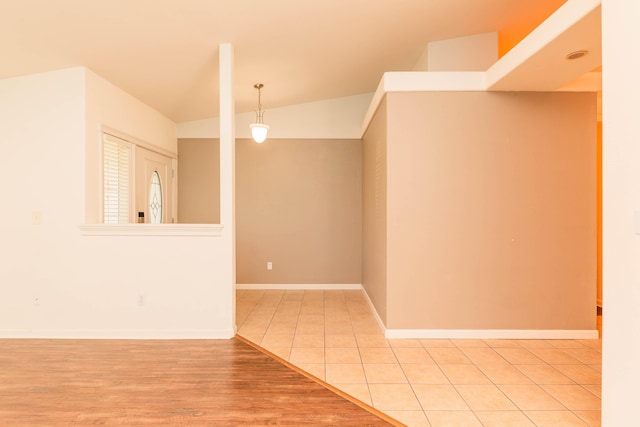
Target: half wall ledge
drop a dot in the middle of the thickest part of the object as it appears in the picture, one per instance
(193, 230)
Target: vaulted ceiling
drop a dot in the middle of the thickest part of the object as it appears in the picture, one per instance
(164, 52)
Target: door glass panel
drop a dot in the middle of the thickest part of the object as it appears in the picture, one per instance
(155, 199)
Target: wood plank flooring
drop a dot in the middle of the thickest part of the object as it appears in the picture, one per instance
(159, 383)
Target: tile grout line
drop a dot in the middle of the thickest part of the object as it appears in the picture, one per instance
(353, 309)
(533, 383)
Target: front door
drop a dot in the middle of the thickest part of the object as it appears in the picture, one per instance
(154, 186)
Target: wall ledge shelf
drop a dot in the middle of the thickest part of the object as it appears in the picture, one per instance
(192, 230)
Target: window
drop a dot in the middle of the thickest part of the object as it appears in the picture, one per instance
(155, 199)
(116, 177)
(136, 178)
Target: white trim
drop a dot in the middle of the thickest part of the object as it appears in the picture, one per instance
(375, 312)
(378, 95)
(420, 81)
(160, 334)
(135, 141)
(225, 263)
(197, 230)
(482, 333)
(493, 333)
(303, 286)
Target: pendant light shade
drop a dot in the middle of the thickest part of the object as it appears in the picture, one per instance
(259, 129)
(259, 132)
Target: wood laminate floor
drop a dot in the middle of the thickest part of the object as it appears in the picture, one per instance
(159, 383)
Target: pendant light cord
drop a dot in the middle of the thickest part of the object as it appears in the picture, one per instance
(259, 86)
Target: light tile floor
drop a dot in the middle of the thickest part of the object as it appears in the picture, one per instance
(434, 382)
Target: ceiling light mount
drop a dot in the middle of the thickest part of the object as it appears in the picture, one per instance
(259, 129)
(576, 54)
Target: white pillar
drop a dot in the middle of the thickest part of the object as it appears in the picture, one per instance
(621, 204)
(227, 170)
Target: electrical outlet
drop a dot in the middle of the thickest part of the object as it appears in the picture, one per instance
(36, 300)
(140, 300)
(269, 265)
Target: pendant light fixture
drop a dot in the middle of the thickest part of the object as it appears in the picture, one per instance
(259, 130)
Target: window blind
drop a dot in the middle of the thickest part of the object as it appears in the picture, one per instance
(116, 178)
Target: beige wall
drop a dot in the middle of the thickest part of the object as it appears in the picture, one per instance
(298, 205)
(199, 181)
(374, 211)
(491, 210)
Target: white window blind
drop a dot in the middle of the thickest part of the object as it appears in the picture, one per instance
(116, 154)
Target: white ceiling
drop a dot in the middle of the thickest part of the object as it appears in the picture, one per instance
(539, 62)
(164, 52)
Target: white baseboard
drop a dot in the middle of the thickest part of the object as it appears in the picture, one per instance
(375, 312)
(533, 334)
(134, 334)
(303, 286)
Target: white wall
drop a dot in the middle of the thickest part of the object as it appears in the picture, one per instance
(471, 53)
(338, 118)
(88, 286)
(107, 106)
(621, 201)
(41, 135)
